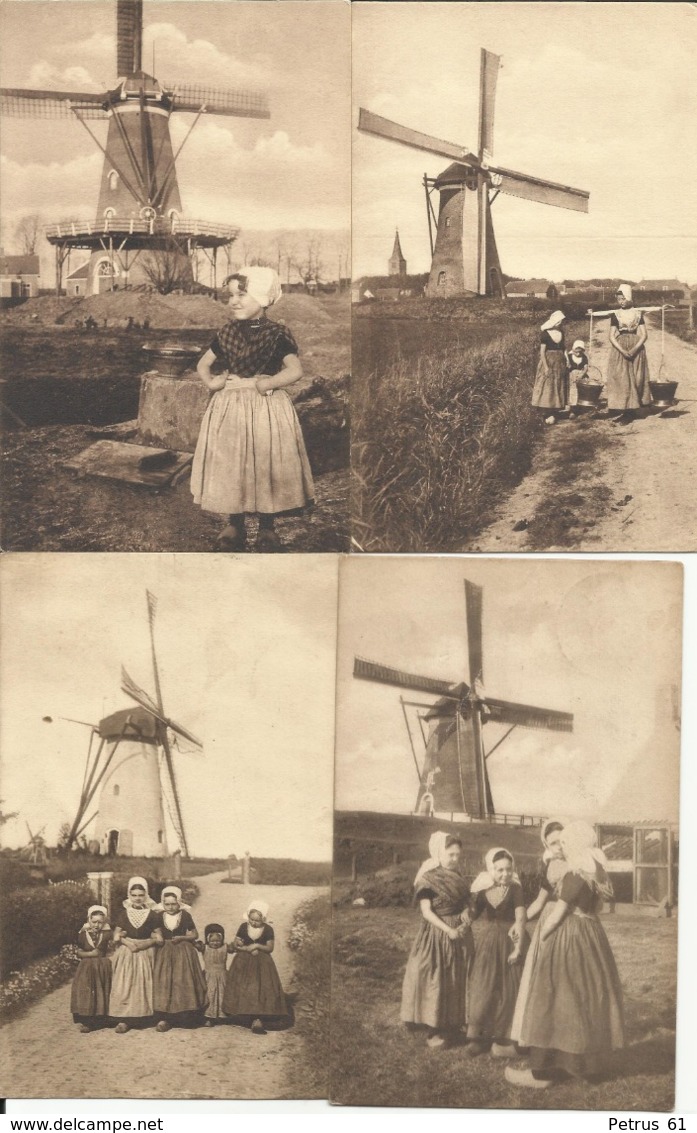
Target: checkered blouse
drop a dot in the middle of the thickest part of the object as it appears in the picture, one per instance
(254, 346)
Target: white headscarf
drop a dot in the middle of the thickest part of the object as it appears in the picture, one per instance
(173, 889)
(625, 289)
(259, 906)
(580, 845)
(96, 909)
(554, 320)
(262, 284)
(485, 879)
(544, 831)
(138, 917)
(578, 345)
(437, 845)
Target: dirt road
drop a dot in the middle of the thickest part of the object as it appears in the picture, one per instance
(595, 486)
(44, 1056)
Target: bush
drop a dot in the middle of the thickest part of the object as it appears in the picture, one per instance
(395, 887)
(437, 440)
(39, 921)
(285, 871)
(310, 940)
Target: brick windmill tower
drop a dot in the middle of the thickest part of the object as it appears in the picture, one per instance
(465, 260)
(139, 208)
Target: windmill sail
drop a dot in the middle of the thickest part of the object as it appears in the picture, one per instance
(473, 604)
(194, 98)
(20, 103)
(526, 716)
(489, 72)
(383, 674)
(544, 192)
(369, 123)
(129, 686)
(129, 36)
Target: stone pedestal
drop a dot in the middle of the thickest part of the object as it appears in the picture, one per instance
(246, 870)
(170, 410)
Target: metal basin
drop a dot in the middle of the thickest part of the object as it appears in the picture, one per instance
(663, 393)
(589, 394)
(172, 358)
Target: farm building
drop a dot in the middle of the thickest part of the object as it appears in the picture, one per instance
(672, 287)
(19, 276)
(643, 861)
(529, 288)
(77, 283)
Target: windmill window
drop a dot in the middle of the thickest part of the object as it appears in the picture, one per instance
(160, 836)
(113, 180)
(108, 213)
(448, 221)
(117, 789)
(441, 279)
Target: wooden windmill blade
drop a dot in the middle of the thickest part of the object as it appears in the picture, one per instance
(369, 123)
(474, 598)
(131, 689)
(488, 77)
(537, 189)
(16, 102)
(384, 674)
(527, 716)
(129, 37)
(194, 98)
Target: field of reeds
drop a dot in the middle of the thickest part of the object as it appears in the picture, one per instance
(437, 440)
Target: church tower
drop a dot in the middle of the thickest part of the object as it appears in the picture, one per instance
(398, 265)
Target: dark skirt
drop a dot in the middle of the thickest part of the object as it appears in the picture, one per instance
(253, 988)
(574, 1001)
(434, 992)
(89, 997)
(494, 982)
(179, 986)
(551, 388)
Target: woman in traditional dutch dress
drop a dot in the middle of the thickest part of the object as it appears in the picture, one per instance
(136, 934)
(253, 993)
(627, 385)
(434, 991)
(250, 456)
(573, 1017)
(89, 996)
(551, 389)
(179, 986)
(499, 904)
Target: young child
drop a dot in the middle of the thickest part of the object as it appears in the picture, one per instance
(89, 998)
(253, 992)
(434, 991)
(215, 954)
(179, 987)
(551, 389)
(577, 364)
(498, 900)
(250, 456)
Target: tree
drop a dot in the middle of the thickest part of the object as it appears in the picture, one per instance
(168, 269)
(7, 817)
(27, 232)
(308, 262)
(552, 292)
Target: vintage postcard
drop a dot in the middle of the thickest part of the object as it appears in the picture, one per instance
(175, 274)
(506, 834)
(167, 762)
(524, 285)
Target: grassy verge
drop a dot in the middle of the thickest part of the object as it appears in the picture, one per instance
(438, 440)
(310, 939)
(377, 1061)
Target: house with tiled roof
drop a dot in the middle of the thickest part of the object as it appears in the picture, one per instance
(528, 288)
(19, 276)
(77, 283)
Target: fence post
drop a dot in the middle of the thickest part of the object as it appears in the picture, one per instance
(245, 868)
(100, 884)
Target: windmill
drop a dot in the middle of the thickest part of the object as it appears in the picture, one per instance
(130, 763)
(464, 254)
(453, 778)
(35, 849)
(139, 207)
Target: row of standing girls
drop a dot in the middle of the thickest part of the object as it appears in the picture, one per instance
(556, 997)
(146, 968)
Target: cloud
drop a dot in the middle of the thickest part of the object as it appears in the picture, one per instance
(45, 75)
(189, 60)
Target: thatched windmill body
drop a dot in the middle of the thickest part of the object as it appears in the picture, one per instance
(139, 207)
(465, 259)
(453, 776)
(130, 770)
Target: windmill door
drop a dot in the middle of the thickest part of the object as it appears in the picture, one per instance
(652, 865)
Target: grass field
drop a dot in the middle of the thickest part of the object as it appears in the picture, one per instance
(375, 1060)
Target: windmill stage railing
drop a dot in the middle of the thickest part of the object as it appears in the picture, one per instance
(178, 226)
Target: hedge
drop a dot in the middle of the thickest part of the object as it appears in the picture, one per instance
(39, 921)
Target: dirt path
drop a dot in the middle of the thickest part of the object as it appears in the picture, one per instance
(44, 1055)
(601, 487)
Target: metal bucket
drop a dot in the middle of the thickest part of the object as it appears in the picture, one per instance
(663, 393)
(588, 394)
(172, 358)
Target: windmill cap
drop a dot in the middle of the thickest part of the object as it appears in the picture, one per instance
(129, 723)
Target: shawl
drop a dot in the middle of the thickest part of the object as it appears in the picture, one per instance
(251, 347)
(449, 886)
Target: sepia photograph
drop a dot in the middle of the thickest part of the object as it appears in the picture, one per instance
(167, 767)
(506, 838)
(524, 277)
(175, 275)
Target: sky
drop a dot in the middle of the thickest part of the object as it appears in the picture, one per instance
(598, 639)
(291, 171)
(247, 661)
(602, 97)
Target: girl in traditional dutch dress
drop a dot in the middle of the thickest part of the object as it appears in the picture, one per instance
(434, 992)
(551, 389)
(136, 934)
(627, 384)
(215, 954)
(179, 986)
(250, 456)
(495, 978)
(577, 365)
(253, 994)
(553, 868)
(573, 1016)
(89, 997)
